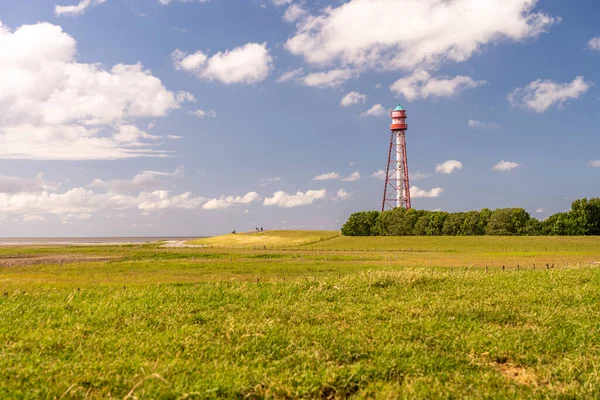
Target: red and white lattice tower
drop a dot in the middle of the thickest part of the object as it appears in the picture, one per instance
(396, 192)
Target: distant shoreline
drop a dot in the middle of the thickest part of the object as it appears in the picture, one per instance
(91, 240)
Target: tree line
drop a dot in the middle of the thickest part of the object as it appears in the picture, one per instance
(583, 219)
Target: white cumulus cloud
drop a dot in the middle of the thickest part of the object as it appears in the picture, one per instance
(416, 192)
(11, 184)
(421, 85)
(178, 173)
(246, 64)
(189, 62)
(504, 166)
(76, 9)
(379, 175)
(478, 124)
(352, 177)
(292, 75)
(294, 13)
(353, 98)
(81, 200)
(540, 95)
(54, 108)
(365, 33)
(327, 176)
(333, 78)
(594, 44)
(447, 167)
(265, 181)
(376, 111)
(286, 200)
(230, 201)
(167, 2)
(594, 163)
(201, 113)
(341, 195)
(37, 200)
(416, 176)
(144, 181)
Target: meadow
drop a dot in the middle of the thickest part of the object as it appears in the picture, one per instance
(303, 315)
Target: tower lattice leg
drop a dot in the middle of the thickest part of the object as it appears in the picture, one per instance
(396, 192)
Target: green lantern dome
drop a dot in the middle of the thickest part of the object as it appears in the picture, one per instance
(399, 108)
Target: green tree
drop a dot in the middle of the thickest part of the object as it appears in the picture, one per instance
(398, 222)
(409, 221)
(387, 221)
(361, 224)
(519, 218)
(577, 221)
(470, 225)
(533, 227)
(507, 222)
(436, 223)
(594, 216)
(560, 224)
(484, 218)
(584, 217)
(423, 224)
(453, 223)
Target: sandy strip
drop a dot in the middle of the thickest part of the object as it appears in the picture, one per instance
(180, 243)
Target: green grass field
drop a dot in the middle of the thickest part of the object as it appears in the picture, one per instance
(335, 317)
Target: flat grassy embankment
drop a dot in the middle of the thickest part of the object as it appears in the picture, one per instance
(280, 239)
(155, 322)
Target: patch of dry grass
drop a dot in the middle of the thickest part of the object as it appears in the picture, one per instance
(270, 239)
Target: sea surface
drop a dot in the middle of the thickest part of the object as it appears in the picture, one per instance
(91, 240)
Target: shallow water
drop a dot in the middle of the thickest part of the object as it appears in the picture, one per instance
(90, 240)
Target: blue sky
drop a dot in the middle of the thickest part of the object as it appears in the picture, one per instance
(155, 117)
